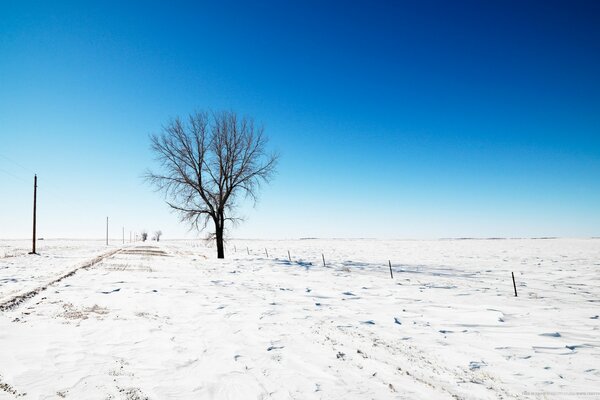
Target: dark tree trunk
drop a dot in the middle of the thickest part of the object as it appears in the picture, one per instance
(219, 239)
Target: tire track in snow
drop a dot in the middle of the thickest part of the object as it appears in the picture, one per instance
(408, 361)
(16, 300)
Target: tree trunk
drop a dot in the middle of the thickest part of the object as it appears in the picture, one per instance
(219, 238)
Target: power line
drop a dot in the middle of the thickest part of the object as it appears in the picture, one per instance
(13, 175)
(16, 163)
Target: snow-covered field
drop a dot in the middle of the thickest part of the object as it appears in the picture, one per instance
(169, 321)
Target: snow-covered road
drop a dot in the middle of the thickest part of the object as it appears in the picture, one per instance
(168, 321)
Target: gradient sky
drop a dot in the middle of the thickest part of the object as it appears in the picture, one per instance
(417, 119)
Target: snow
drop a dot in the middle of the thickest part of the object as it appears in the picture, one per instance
(168, 320)
(21, 274)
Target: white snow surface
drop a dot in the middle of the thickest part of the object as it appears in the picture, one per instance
(170, 321)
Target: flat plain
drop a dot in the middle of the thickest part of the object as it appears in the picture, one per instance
(168, 320)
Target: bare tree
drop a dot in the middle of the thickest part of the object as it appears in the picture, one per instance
(208, 162)
(157, 235)
(144, 235)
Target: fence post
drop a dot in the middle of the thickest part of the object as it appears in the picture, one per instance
(391, 273)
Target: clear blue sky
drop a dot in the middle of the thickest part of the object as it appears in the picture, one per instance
(417, 119)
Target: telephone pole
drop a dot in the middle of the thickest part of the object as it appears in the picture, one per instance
(34, 211)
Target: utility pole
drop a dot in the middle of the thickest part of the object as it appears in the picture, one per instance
(107, 231)
(34, 211)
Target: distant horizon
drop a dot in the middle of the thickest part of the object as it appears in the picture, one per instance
(119, 240)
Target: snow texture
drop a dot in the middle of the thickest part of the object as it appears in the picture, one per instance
(168, 320)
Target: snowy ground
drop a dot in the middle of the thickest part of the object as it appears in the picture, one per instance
(168, 321)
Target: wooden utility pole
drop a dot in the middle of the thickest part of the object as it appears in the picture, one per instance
(34, 211)
(107, 231)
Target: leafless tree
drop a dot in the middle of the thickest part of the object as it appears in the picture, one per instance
(144, 235)
(208, 163)
(157, 235)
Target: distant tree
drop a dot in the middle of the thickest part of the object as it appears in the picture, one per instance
(157, 235)
(208, 162)
(144, 235)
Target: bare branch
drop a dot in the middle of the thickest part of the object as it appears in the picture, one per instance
(207, 163)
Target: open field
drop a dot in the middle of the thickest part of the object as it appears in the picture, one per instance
(169, 320)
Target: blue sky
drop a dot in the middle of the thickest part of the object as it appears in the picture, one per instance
(398, 120)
